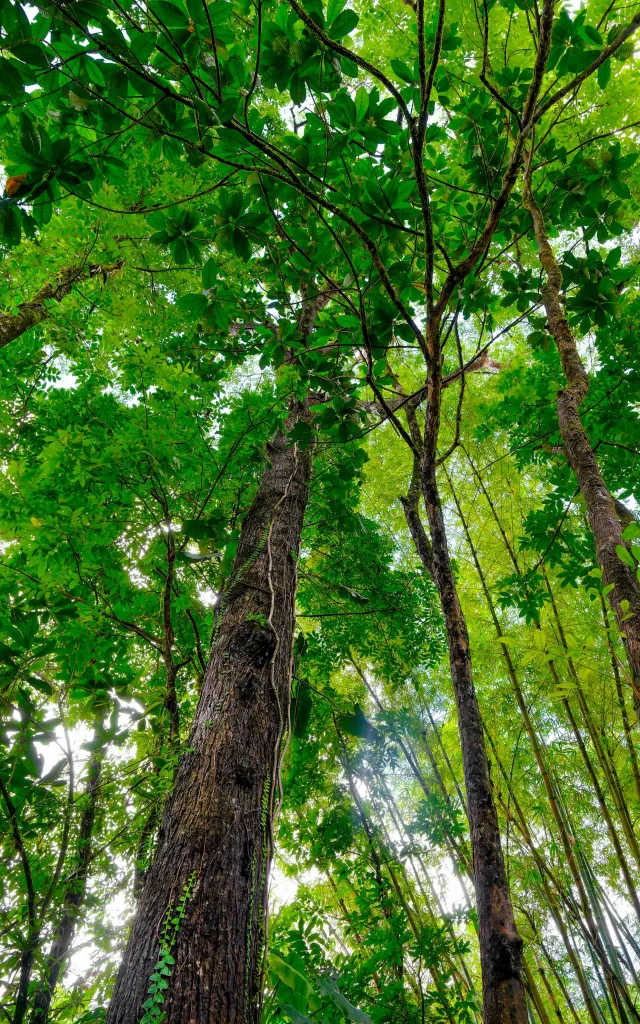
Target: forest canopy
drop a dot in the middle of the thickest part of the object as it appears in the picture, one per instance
(319, 512)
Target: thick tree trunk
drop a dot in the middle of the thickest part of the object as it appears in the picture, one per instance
(217, 825)
(500, 944)
(73, 899)
(601, 505)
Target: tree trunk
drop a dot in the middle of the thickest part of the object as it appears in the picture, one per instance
(601, 506)
(217, 826)
(503, 990)
(168, 639)
(73, 899)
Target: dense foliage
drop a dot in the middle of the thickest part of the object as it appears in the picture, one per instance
(453, 192)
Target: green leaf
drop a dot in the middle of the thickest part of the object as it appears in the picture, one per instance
(10, 79)
(351, 1012)
(294, 1015)
(624, 556)
(349, 68)
(41, 685)
(241, 244)
(31, 54)
(179, 251)
(358, 725)
(232, 204)
(593, 34)
(201, 529)
(209, 274)
(302, 431)
(194, 305)
(289, 976)
(334, 7)
(402, 71)
(42, 210)
(631, 531)
(362, 104)
(343, 25)
(604, 74)
(10, 229)
(297, 88)
(168, 14)
(301, 708)
(620, 188)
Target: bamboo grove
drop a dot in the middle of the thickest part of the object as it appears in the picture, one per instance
(319, 523)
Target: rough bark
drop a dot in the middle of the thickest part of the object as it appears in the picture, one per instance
(411, 506)
(503, 990)
(601, 505)
(30, 314)
(217, 824)
(73, 898)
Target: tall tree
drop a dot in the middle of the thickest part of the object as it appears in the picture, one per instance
(222, 154)
(215, 851)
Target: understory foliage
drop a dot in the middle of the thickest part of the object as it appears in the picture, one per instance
(181, 177)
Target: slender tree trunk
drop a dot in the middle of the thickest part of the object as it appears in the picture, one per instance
(168, 639)
(28, 955)
(503, 990)
(217, 825)
(534, 994)
(73, 898)
(599, 744)
(601, 506)
(588, 897)
(548, 877)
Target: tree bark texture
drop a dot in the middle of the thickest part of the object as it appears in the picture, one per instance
(73, 898)
(30, 314)
(602, 508)
(501, 960)
(217, 825)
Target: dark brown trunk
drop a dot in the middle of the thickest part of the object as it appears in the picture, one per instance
(217, 825)
(503, 989)
(73, 898)
(601, 506)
